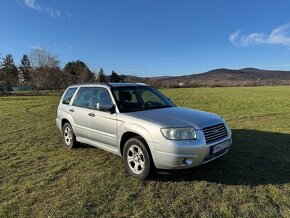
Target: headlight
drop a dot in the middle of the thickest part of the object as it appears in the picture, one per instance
(186, 133)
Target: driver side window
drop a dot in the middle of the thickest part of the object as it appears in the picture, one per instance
(127, 99)
(101, 96)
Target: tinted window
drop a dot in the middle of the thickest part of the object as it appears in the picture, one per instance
(68, 95)
(101, 96)
(84, 97)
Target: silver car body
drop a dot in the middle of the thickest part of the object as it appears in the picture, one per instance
(105, 130)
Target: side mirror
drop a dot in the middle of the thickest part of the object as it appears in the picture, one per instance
(106, 107)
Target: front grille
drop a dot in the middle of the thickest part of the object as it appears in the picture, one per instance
(216, 132)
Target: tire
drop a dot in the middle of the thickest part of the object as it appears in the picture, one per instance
(68, 135)
(137, 159)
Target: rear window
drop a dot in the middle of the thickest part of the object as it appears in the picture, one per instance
(68, 95)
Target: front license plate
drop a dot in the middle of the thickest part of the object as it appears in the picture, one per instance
(221, 146)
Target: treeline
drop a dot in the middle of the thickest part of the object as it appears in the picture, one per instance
(40, 70)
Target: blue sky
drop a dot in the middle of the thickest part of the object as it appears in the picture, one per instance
(152, 37)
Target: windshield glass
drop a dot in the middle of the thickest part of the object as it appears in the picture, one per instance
(139, 98)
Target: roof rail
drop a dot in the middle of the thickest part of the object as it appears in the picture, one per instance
(142, 83)
(91, 83)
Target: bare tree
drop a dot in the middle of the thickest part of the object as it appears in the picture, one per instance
(40, 57)
(46, 73)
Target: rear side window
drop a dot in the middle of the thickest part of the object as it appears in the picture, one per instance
(68, 95)
(83, 98)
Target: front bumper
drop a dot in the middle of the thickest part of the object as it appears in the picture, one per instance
(171, 154)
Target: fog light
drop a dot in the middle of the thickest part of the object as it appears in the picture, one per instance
(187, 161)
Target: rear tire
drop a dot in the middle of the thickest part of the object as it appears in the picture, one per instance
(136, 158)
(68, 135)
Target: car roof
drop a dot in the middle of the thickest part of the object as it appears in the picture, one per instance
(109, 85)
(126, 84)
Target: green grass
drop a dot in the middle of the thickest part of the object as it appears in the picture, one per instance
(40, 177)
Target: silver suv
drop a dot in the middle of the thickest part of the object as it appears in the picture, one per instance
(140, 124)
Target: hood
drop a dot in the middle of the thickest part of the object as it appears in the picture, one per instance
(178, 117)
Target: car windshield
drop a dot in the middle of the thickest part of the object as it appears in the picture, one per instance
(139, 98)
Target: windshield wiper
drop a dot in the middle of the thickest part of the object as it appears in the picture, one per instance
(147, 108)
(159, 107)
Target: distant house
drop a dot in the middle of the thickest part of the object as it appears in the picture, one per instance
(180, 85)
(21, 88)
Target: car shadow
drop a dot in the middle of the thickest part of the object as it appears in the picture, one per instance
(255, 158)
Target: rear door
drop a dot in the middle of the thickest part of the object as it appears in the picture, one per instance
(102, 125)
(80, 112)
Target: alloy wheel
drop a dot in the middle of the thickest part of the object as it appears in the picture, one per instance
(136, 159)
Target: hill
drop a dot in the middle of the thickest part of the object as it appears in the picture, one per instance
(228, 77)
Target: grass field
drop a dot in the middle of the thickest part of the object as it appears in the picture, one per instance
(40, 177)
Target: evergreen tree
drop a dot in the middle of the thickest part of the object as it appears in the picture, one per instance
(78, 71)
(2, 82)
(24, 70)
(102, 76)
(114, 77)
(122, 78)
(9, 72)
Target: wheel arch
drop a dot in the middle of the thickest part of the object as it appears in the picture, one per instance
(63, 121)
(66, 118)
(125, 137)
(131, 134)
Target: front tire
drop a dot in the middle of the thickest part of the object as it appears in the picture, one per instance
(136, 158)
(69, 138)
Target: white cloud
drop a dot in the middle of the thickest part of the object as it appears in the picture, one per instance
(53, 12)
(234, 36)
(278, 36)
(32, 4)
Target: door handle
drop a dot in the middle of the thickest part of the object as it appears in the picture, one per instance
(71, 110)
(91, 114)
